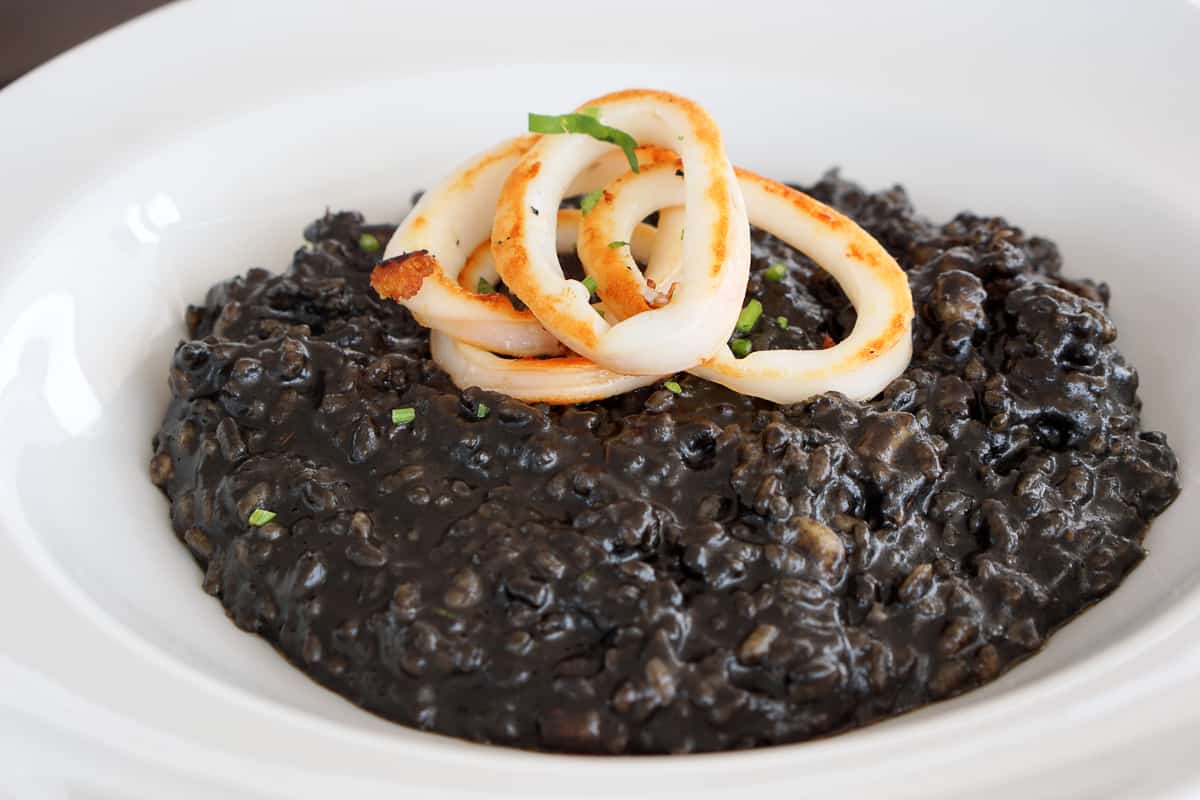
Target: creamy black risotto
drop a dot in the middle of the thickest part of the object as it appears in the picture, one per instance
(680, 568)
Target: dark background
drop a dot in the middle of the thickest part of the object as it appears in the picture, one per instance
(34, 31)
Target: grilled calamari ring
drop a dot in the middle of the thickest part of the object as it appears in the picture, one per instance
(428, 250)
(712, 279)
(860, 366)
(558, 380)
(667, 255)
(434, 242)
(480, 264)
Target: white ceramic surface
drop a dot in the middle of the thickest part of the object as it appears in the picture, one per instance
(198, 141)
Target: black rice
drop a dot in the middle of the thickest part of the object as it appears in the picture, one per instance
(662, 571)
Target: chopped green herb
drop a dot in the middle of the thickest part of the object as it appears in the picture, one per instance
(749, 316)
(781, 322)
(673, 387)
(484, 286)
(681, 234)
(589, 201)
(775, 272)
(615, 245)
(402, 416)
(592, 111)
(589, 283)
(260, 517)
(598, 310)
(741, 347)
(482, 411)
(586, 123)
(680, 138)
(368, 243)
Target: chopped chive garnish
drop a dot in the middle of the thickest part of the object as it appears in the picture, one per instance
(589, 283)
(586, 123)
(673, 387)
(681, 234)
(482, 411)
(749, 316)
(615, 245)
(402, 416)
(260, 517)
(484, 287)
(775, 272)
(741, 347)
(781, 322)
(592, 111)
(368, 243)
(598, 310)
(589, 201)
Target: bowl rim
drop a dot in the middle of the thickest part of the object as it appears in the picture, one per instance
(20, 97)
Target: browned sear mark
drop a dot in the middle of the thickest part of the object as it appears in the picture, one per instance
(402, 276)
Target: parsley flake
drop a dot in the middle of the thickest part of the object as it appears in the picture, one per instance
(749, 316)
(590, 200)
(368, 243)
(588, 124)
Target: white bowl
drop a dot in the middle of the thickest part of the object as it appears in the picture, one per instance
(198, 141)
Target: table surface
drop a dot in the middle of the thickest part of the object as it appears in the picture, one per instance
(32, 33)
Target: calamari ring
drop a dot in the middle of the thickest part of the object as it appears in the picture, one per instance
(559, 380)
(431, 245)
(430, 248)
(613, 164)
(860, 366)
(667, 255)
(716, 252)
(480, 264)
